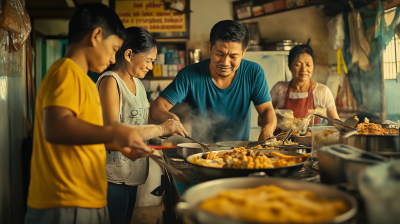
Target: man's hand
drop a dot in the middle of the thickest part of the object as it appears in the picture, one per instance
(267, 120)
(266, 133)
(172, 127)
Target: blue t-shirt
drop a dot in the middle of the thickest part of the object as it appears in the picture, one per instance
(219, 114)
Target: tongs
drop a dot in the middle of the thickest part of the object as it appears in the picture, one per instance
(172, 170)
(348, 127)
(203, 146)
(337, 122)
(254, 144)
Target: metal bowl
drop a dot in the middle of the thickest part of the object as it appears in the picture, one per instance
(301, 139)
(384, 145)
(230, 144)
(186, 149)
(196, 194)
(211, 173)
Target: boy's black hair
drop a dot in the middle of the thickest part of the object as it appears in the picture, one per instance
(138, 40)
(300, 49)
(230, 31)
(89, 16)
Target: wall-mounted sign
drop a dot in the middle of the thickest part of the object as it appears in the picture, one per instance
(151, 15)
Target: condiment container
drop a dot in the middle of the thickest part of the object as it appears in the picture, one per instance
(280, 5)
(269, 7)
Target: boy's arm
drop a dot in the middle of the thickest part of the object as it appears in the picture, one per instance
(60, 126)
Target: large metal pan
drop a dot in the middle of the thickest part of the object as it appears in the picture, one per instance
(186, 149)
(210, 173)
(196, 194)
(384, 145)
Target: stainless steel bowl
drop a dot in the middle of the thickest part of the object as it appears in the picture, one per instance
(301, 139)
(186, 149)
(384, 145)
(196, 194)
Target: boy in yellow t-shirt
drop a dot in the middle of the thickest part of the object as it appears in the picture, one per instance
(68, 177)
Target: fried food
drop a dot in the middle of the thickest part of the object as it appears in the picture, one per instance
(272, 204)
(367, 128)
(241, 158)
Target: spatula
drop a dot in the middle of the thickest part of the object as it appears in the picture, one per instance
(172, 170)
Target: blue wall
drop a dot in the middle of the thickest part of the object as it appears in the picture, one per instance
(392, 90)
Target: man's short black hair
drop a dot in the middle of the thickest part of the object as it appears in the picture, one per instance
(230, 31)
(89, 16)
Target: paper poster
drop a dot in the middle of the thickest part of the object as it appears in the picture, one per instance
(151, 16)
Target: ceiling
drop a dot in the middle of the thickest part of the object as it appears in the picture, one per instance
(55, 9)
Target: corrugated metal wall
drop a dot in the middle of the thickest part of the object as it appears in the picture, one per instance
(12, 130)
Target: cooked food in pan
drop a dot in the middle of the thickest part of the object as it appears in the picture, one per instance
(272, 204)
(271, 145)
(241, 158)
(367, 128)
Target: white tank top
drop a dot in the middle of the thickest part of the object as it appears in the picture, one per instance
(133, 110)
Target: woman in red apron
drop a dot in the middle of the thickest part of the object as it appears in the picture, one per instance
(301, 94)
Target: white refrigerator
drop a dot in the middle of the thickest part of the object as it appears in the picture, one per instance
(275, 66)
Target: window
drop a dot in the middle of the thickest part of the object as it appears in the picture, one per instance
(391, 59)
(391, 56)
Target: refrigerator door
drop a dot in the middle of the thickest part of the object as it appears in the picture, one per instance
(274, 64)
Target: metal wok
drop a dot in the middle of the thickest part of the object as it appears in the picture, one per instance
(196, 194)
(210, 173)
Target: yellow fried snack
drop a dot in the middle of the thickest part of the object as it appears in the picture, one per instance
(272, 204)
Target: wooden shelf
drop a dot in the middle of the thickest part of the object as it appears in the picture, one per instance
(234, 4)
(171, 40)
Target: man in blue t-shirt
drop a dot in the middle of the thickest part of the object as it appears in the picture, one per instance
(219, 90)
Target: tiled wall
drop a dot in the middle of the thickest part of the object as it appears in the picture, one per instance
(12, 129)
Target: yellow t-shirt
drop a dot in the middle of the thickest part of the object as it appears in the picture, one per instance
(67, 175)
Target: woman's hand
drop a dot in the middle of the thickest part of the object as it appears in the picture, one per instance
(171, 127)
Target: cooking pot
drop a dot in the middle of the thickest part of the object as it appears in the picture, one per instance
(342, 163)
(196, 194)
(186, 149)
(210, 173)
(384, 145)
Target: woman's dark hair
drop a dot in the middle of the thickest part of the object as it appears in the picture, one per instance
(230, 31)
(89, 16)
(138, 40)
(300, 49)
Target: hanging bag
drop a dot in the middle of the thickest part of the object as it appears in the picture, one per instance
(15, 19)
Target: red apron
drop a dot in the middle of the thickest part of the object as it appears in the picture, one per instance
(300, 107)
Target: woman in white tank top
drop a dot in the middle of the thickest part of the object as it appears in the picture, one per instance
(123, 99)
